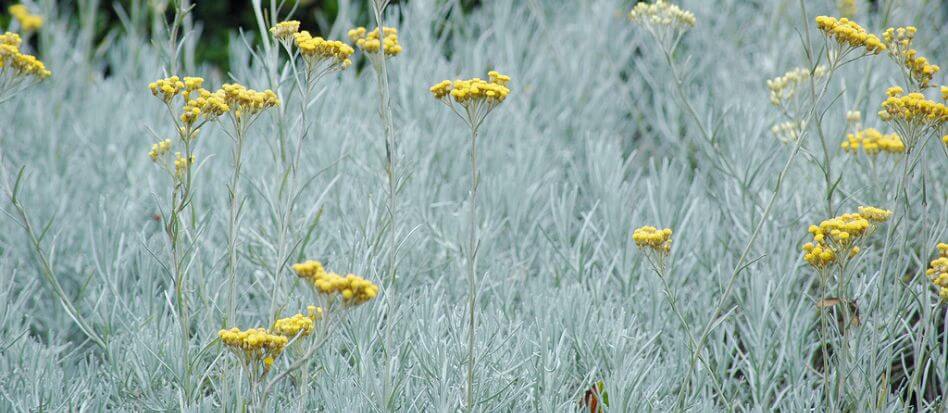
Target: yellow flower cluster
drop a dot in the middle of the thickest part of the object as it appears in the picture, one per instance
(938, 272)
(471, 92)
(316, 51)
(207, 104)
(257, 344)
(368, 41)
(23, 65)
(291, 326)
(848, 33)
(28, 21)
(784, 88)
(662, 14)
(875, 215)
(913, 108)
(159, 149)
(285, 30)
(653, 238)
(847, 8)
(898, 40)
(352, 288)
(840, 235)
(166, 88)
(872, 142)
(182, 164)
(247, 102)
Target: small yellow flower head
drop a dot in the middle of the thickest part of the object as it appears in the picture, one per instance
(166, 89)
(898, 40)
(649, 237)
(321, 54)
(944, 140)
(368, 41)
(847, 8)
(913, 110)
(944, 93)
(875, 215)
(310, 270)
(873, 142)
(256, 345)
(25, 67)
(849, 34)
(352, 288)
(10, 39)
(182, 164)
(246, 102)
(29, 22)
(478, 97)
(159, 149)
(662, 14)
(291, 326)
(285, 30)
(840, 236)
(938, 271)
(783, 89)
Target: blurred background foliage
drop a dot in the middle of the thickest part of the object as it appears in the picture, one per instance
(219, 19)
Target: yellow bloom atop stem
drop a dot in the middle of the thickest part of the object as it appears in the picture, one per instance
(938, 271)
(476, 97)
(256, 345)
(898, 40)
(849, 34)
(838, 239)
(23, 66)
(873, 142)
(285, 30)
(913, 115)
(28, 21)
(653, 238)
(159, 149)
(368, 41)
(292, 326)
(322, 56)
(352, 288)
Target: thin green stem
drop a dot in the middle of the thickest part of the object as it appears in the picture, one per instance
(472, 273)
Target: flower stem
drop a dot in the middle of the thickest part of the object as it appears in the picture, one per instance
(472, 272)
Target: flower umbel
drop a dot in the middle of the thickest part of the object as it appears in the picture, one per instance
(322, 56)
(872, 142)
(898, 41)
(938, 271)
(476, 97)
(353, 289)
(368, 41)
(28, 21)
(838, 239)
(849, 35)
(662, 14)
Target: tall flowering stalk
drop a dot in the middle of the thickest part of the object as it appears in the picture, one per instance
(190, 106)
(472, 100)
(379, 45)
(835, 243)
(245, 107)
(310, 59)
